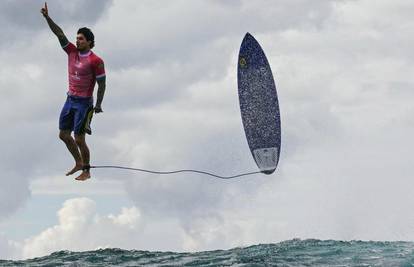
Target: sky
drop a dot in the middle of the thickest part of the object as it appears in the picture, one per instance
(344, 75)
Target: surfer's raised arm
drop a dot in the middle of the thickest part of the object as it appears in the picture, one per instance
(55, 28)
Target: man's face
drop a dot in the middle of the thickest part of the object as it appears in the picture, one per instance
(81, 42)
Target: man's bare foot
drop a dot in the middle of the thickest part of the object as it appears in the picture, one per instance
(83, 176)
(77, 167)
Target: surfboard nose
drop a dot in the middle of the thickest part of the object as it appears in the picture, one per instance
(248, 35)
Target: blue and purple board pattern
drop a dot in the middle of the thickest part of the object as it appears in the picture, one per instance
(259, 105)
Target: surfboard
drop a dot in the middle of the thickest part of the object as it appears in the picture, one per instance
(259, 105)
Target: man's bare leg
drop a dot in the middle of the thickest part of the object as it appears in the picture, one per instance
(84, 150)
(73, 149)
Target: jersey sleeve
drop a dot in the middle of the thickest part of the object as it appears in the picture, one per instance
(69, 48)
(99, 68)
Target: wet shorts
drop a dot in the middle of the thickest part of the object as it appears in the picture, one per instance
(76, 115)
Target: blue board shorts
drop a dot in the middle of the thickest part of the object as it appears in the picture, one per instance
(76, 115)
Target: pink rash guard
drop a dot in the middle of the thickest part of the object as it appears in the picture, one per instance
(84, 70)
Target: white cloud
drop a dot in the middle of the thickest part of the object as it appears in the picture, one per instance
(81, 228)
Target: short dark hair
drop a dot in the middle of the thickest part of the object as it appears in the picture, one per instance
(88, 35)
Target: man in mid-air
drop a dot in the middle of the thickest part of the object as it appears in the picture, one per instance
(85, 69)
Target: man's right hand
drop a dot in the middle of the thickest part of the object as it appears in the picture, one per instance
(44, 11)
(55, 28)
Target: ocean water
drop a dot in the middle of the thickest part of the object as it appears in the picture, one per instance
(295, 252)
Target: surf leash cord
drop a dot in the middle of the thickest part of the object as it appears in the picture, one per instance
(173, 172)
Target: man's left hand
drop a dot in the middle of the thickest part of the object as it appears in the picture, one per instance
(98, 109)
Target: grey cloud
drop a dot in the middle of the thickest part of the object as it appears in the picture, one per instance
(180, 30)
(8, 249)
(14, 192)
(154, 46)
